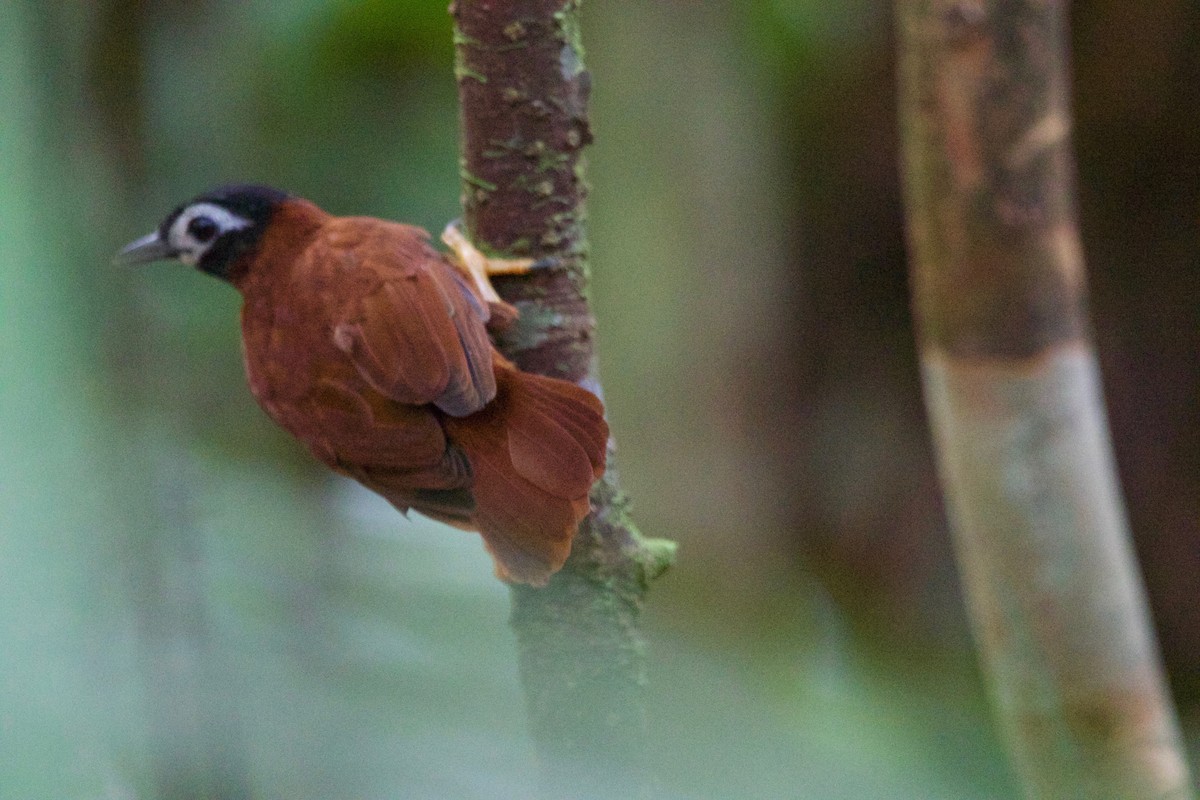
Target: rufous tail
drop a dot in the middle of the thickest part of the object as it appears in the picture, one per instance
(535, 452)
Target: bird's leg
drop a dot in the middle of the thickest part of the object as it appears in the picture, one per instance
(480, 267)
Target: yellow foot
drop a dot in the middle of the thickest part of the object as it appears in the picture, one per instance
(478, 266)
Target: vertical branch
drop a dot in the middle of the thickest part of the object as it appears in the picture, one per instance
(523, 91)
(1013, 391)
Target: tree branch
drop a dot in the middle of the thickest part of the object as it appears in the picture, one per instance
(523, 91)
(1012, 385)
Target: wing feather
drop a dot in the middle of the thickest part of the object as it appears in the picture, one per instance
(418, 336)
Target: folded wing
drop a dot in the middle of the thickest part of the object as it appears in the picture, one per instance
(418, 334)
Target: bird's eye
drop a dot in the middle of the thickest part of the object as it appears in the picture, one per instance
(202, 229)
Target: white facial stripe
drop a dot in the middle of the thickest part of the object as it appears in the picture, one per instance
(190, 250)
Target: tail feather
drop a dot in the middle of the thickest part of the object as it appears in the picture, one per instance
(546, 454)
(535, 452)
(581, 414)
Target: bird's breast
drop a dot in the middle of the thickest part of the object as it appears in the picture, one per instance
(288, 353)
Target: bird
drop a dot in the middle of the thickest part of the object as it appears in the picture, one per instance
(372, 348)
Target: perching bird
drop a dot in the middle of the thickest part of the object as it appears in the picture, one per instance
(372, 349)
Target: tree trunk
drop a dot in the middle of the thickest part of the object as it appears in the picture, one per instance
(523, 91)
(1013, 391)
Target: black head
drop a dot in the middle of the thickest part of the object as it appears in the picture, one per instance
(210, 232)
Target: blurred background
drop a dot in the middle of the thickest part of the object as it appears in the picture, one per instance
(190, 607)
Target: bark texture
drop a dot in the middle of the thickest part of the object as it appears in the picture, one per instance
(523, 91)
(1013, 392)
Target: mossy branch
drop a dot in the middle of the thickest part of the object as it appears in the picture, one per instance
(1014, 398)
(523, 91)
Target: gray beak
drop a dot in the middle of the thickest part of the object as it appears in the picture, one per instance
(149, 248)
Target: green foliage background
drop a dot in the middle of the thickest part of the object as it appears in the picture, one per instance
(190, 608)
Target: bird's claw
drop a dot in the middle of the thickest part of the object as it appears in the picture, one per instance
(479, 267)
(475, 264)
(548, 262)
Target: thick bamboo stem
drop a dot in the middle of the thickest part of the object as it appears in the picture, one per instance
(1013, 390)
